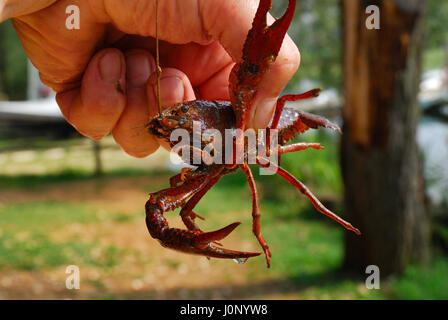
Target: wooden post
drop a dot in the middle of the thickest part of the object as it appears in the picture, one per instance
(384, 193)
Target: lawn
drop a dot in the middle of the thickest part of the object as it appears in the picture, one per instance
(52, 218)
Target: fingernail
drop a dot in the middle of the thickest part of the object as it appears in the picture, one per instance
(138, 69)
(171, 90)
(110, 67)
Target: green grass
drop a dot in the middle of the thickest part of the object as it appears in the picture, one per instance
(421, 282)
(307, 246)
(27, 181)
(25, 244)
(33, 181)
(37, 251)
(39, 216)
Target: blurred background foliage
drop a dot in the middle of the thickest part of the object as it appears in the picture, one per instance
(13, 65)
(317, 30)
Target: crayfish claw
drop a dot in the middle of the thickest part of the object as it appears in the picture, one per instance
(204, 245)
(206, 237)
(214, 252)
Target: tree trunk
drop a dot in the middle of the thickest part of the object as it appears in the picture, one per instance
(381, 166)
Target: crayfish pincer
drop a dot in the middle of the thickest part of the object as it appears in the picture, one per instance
(188, 187)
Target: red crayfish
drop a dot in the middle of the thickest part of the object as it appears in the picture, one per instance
(187, 188)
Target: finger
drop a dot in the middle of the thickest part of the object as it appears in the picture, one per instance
(199, 62)
(11, 8)
(59, 53)
(273, 83)
(181, 20)
(95, 108)
(206, 66)
(129, 131)
(175, 87)
(217, 86)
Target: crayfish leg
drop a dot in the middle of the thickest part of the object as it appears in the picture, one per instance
(187, 214)
(281, 105)
(298, 147)
(256, 213)
(304, 190)
(291, 97)
(181, 177)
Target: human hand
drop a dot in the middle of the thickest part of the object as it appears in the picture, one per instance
(104, 73)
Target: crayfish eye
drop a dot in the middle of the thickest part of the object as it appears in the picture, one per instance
(184, 109)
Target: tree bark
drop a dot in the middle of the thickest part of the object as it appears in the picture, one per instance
(384, 194)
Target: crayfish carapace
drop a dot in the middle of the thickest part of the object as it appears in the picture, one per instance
(187, 188)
